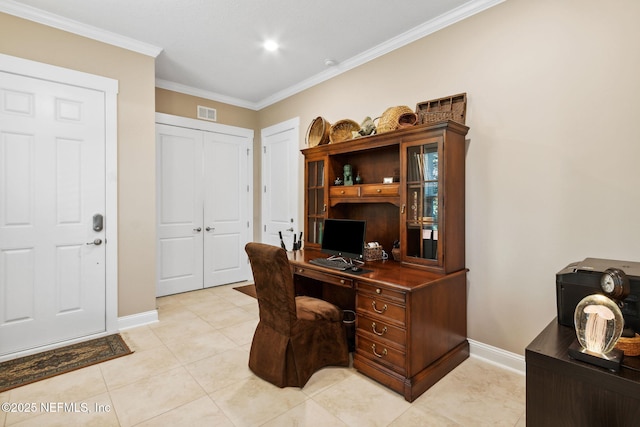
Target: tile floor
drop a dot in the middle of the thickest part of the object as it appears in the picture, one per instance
(190, 369)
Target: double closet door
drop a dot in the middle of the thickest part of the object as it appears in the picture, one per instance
(204, 207)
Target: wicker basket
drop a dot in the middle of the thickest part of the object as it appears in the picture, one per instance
(372, 254)
(407, 119)
(390, 118)
(630, 346)
(342, 130)
(441, 109)
(318, 132)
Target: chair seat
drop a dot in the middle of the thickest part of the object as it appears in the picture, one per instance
(309, 308)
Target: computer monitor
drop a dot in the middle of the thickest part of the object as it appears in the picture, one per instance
(344, 238)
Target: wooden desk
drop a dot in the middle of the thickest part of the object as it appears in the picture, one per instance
(411, 324)
(565, 392)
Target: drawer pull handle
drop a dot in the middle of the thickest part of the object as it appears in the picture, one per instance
(384, 308)
(384, 351)
(384, 330)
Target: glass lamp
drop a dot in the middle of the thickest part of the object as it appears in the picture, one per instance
(599, 323)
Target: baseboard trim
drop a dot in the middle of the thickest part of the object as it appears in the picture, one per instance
(497, 356)
(139, 319)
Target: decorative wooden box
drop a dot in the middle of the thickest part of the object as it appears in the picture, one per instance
(448, 108)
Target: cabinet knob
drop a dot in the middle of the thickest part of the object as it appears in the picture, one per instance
(341, 191)
(342, 281)
(378, 291)
(378, 191)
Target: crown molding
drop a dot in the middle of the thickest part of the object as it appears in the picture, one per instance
(201, 93)
(51, 20)
(456, 15)
(462, 12)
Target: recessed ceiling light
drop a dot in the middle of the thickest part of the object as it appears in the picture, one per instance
(270, 45)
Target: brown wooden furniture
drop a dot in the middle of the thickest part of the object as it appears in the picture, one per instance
(565, 392)
(423, 207)
(411, 324)
(411, 314)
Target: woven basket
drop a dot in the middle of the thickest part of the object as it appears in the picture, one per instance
(318, 132)
(390, 118)
(448, 108)
(342, 130)
(630, 346)
(407, 119)
(373, 254)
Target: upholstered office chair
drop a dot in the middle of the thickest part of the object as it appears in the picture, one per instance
(296, 336)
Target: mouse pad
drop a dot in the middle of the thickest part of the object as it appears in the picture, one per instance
(363, 271)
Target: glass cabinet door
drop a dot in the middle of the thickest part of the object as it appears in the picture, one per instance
(316, 205)
(422, 200)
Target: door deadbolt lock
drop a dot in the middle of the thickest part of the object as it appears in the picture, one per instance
(96, 242)
(98, 222)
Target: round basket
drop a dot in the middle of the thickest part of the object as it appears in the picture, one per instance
(630, 346)
(390, 118)
(318, 132)
(407, 119)
(342, 130)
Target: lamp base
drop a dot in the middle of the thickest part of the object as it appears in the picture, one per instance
(611, 360)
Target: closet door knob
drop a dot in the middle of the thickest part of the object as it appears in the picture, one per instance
(197, 230)
(210, 228)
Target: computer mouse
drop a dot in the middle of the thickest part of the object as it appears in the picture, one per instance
(356, 268)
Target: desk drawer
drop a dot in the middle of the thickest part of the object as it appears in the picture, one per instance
(381, 353)
(386, 293)
(379, 329)
(380, 308)
(344, 191)
(381, 190)
(323, 277)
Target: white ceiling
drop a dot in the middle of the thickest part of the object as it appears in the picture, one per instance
(213, 48)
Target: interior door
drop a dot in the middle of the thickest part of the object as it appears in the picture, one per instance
(226, 211)
(52, 185)
(180, 233)
(280, 158)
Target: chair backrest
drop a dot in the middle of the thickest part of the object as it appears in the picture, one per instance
(274, 285)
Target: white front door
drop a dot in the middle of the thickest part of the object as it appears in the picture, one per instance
(52, 184)
(180, 234)
(280, 158)
(226, 211)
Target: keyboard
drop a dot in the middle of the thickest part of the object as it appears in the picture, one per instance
(335, 264)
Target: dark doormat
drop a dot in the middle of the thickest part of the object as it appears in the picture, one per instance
(25, 370)
(247, 290)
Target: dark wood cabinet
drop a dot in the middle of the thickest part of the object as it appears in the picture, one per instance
(410, 314)
(565, 392)
(422, 206)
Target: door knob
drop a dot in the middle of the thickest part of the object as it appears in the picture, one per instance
(197, 230)
(96, 242)
(210, 228)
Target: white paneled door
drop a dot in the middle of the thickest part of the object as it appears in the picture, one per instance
(179, 170)
(204, 209)
(280, 159)
(52, 184)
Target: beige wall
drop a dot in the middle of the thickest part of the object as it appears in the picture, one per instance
(552, 173)
(136, 143)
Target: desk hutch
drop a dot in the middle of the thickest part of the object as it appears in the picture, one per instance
(411, 312)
